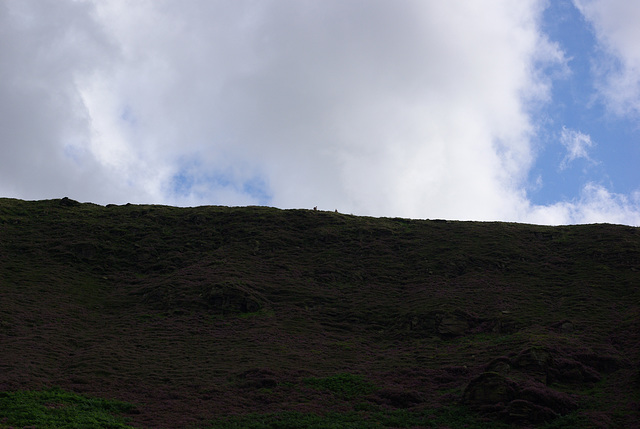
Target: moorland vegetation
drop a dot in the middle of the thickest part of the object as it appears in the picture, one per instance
(152, 316)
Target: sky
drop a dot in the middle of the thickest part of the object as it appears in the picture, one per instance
(497, 110)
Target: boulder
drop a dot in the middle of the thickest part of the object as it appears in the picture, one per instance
(453, 325)
(68, 202)
(564, 326)
(572, 371)
(522, 411)
(535, 361)
(501, 365)
(516, 389)
(539, 394)
(489, 388)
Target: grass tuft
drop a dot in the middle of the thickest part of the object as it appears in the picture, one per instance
(56, 408)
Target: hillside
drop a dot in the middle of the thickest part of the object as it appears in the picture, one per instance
(198, 316)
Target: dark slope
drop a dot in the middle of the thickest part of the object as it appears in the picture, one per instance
(209, 311)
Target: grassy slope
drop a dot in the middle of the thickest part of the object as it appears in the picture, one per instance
(210, 311)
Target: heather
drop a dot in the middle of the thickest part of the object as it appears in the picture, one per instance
(259, 317)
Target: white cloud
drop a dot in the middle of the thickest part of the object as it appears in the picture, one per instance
(413, 108)
(363, 106)
(45, 48)
(616, 27)
(595, 204)
(577, 145)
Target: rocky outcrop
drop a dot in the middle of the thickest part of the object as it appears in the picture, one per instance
(185, 293)
(490, 389)
(521, 388)
(517, 401)
(453, 325)
(68, 202)
(456, 323)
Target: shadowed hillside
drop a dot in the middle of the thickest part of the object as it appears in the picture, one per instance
(215, 316)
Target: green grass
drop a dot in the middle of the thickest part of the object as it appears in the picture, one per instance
(56, 408)
(347, 386)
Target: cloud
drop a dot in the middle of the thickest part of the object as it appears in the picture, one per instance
(577, 145)
(595, 204)
(615, 23)
(412, 108)
(370, 108)
(45, 48)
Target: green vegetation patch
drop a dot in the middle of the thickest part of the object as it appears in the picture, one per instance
(55, 408)
(345, 385)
